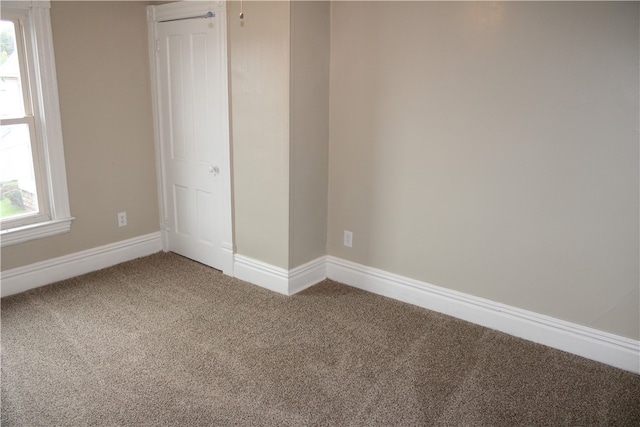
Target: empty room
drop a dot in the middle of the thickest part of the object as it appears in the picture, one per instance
(320, 213)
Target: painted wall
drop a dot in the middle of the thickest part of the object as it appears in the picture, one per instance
(309, 133)
(259, 66)
(492, 148)
(105, 102)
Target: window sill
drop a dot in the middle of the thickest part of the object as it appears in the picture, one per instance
(14, 236)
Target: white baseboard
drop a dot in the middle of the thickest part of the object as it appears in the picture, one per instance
(261, 274)
(277, 279)
(614, 350)
(587, 342)
(307, 275)
(43, 273)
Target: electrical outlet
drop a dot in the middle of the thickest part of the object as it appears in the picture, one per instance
(348, 238)
(122, 219)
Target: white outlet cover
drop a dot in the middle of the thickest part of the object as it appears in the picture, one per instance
(122, 219)
(348, 238)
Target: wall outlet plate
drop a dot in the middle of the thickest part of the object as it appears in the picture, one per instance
(348, 238)
(122, 219)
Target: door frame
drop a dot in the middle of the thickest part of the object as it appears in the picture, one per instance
(181, 10)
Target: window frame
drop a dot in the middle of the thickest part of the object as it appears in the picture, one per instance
(27, 83)
(48, 152)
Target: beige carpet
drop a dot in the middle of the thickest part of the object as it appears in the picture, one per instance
(166, 341)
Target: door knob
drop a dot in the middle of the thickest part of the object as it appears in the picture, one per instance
(214, 170)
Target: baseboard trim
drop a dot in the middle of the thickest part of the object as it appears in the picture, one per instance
(43, 273)
(277, 279)
(307, 275)
(261, 274)
(614, 350)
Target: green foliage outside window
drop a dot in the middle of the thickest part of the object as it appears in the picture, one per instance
(11, 202)
(7, 46)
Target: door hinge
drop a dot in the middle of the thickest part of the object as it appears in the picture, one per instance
(157, 45)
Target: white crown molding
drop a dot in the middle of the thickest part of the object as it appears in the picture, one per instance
(43, 273)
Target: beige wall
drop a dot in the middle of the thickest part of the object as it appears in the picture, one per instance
(259, 64)
(105, 102)
(279, 62)
(492, 148)
(309, 134)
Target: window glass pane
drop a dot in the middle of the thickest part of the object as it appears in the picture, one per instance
(11, 95)
(18, 194)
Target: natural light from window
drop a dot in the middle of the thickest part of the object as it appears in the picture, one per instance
(34, 199)
(18, 189)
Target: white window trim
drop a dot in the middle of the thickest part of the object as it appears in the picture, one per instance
(48, 127)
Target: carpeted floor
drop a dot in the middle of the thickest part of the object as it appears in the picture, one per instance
(165, 341)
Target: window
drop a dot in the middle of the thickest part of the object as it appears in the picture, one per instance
(34, 202)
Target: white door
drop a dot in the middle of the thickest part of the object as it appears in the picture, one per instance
(193, 134)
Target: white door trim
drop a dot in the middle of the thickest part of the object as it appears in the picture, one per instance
(179, 10)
